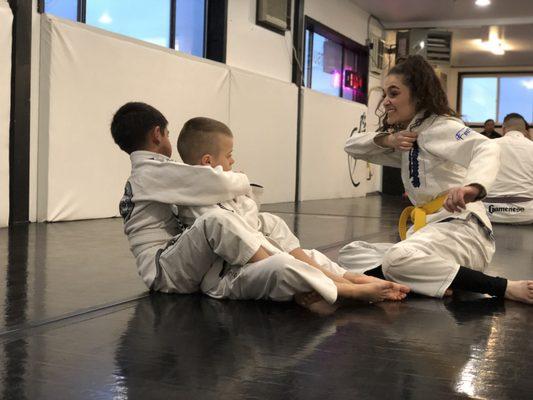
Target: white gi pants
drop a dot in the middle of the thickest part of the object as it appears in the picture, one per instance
(429, 259)
(278, 278)
(200, 258)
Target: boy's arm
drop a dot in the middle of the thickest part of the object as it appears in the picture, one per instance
(190, 185)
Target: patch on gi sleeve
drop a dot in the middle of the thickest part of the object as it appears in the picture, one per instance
(464, 132)
(126, 206)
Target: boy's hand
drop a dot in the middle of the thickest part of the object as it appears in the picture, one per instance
(458, 198)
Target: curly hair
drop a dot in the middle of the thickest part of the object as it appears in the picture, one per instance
(425, 87)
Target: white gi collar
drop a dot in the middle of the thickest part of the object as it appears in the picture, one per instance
(143, 155)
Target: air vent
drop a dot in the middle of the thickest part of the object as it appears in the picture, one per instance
(438, 47)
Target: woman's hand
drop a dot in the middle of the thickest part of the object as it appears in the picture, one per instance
(402, 141)
(458, 198)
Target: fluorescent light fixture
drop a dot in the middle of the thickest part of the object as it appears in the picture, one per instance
(482, 3)
(496, 45)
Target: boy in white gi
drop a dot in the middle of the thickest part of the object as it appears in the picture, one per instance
(204, 141)
(447, 169)
(170, 259)
(510, 200)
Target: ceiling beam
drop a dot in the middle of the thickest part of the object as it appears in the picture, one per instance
(461, 23)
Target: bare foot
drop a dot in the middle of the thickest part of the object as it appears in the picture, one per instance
(306, 299)
(521, 291)
(371, 292)
(448, 293)
(315, 303)
(355, 278)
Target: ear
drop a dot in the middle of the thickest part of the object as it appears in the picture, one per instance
(206, 159)
(155, 135)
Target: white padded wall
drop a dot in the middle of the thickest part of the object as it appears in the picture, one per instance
(263, 113)
(86, 74)
(6, 20)
(327, 123)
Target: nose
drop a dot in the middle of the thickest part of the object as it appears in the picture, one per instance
(386, 101)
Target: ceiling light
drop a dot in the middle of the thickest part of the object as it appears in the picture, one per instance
(497, 47)
(482, 3)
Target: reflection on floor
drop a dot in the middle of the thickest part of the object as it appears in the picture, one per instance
(77, 323)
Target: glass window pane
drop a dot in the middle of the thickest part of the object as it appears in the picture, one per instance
(306, 58)
(516, 95)
(67, 9)
(326, 73)
(478, 99)
(350, 64)
(190, 27)
(141, 19)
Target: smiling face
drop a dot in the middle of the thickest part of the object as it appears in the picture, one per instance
(398, 102)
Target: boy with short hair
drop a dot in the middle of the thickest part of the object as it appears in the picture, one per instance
(207, 142)
(168, 259)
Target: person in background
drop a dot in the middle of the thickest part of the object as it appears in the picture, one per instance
(489, 131)
(510, 200)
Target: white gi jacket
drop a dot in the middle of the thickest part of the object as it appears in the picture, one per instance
(507, 199)
(447, 154)
(246, 206)
(155, 185)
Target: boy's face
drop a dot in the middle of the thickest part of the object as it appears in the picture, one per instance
(225, 153)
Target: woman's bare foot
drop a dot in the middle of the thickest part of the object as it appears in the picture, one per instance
(357, 279)
(521, 291)
(315, 303)
(371, 292)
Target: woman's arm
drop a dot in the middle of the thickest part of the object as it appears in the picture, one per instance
(378, 148)
(452, 141)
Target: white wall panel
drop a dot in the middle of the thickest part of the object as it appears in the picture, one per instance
(86, 74)
(263, 114)
(327, 123)
(255, 48)
(6, 20)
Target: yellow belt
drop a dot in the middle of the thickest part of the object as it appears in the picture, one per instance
(418, 215)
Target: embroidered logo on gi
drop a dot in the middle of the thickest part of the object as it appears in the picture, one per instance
(511, 209)
(126, 206)
(463, 133)
(414, 165)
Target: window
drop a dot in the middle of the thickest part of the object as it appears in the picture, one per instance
(190, 24)
(135, 18)
(67, 9)
(178, 24)
(334, 64)
(494, 96)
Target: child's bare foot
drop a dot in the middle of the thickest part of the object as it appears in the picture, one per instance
(357, 279)
(306, 299)
(521, 291)
(315, 303)
(371, 292)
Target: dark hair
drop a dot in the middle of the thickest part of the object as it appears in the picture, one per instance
(197, 138)
(425, 87)
(131, 124)
(487, 121)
